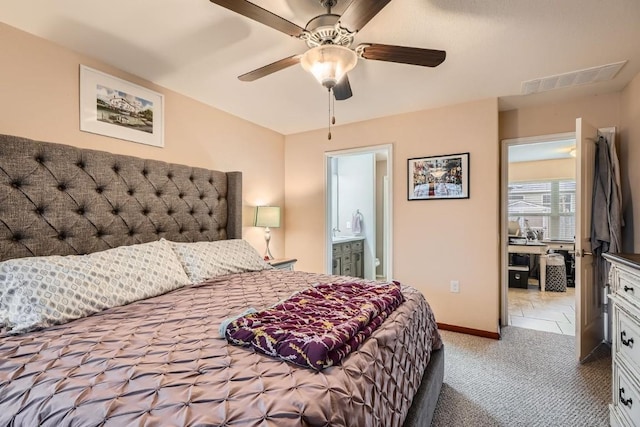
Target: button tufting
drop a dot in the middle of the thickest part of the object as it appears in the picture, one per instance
(81, 164)
(99, 190)
(16, 183)
(211, 181)
(62, 235)
(170, 175)
(130, 192)
(145, 212)
(181, 195)
(170, 212)
(116, 168)
(191, 178)
(17, 237)
(131, 232)
(145, 172)
(192, 211)
(40, 159)
(80, 211)
(40, 210)
(115, 211)
(203, 229)
(210, 213)
(158, 193)
(62, 187)
(159, 230)
(99, 233)
(201, 196)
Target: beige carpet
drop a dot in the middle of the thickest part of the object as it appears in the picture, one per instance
(528, 378)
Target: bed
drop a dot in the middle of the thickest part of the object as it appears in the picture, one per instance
(160, 360)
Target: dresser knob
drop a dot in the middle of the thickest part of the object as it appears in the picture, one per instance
(629, 342)
(628, 288)
(626, 402)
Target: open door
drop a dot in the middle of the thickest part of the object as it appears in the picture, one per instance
(589, 318)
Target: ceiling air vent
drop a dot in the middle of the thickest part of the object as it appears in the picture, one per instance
(573, 78)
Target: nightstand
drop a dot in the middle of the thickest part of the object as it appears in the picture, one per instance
(283, 263)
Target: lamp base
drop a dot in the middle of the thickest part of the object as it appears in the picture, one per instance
(267, 238)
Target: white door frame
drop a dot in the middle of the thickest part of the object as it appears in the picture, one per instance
(388, 149)
(504, 183)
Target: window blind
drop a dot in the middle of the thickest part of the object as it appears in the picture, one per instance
(548, 207)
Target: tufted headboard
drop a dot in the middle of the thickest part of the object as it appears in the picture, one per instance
(61, 200)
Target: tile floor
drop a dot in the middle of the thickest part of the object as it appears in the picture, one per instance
(543, 311)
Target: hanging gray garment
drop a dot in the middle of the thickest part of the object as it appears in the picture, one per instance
(616, 221)
(606, 233)
(601, 197)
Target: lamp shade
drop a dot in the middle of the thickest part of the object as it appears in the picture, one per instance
(329, 63)
(267, 216)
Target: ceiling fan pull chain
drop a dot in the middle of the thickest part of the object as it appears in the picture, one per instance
(329, 135)
(333, 107)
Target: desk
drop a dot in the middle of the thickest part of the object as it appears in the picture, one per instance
(534, 249)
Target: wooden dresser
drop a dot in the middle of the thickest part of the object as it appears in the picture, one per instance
(624, 279)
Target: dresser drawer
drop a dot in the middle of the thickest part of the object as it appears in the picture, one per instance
(346, 258)
(627, 338)
(626, 397)
(356, 246)
(628, 286)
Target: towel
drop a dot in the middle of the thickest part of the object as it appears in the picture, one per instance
(356, 223)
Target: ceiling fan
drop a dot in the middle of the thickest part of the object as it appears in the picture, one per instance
(329, 37)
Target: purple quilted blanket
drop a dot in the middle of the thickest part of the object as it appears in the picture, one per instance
(319, 326)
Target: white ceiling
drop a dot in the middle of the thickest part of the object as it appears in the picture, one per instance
(198, 49)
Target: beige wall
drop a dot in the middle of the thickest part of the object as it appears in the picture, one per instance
(542, 169)
(39, 83)
(599, 111)
(433, 241)
(629, 164)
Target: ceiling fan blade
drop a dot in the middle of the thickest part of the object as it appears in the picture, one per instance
(342, 90)
(263, 16)
(359, 12)
(401, 54)
(271, 68)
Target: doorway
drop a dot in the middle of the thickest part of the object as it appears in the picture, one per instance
(358, 237)
(538, 215)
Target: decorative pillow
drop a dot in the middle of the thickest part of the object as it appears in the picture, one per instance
(204, 260)
(44, 291)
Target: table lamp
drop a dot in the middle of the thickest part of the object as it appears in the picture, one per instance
(267, 216)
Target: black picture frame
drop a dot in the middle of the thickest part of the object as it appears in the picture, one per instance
(438, 177)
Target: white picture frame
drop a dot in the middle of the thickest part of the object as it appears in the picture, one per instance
(116, 108)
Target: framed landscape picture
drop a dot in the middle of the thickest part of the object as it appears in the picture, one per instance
(438, 177)
(114, 107)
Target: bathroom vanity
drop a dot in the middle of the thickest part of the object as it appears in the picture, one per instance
(348, 256)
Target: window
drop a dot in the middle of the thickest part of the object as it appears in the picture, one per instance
(546, 207)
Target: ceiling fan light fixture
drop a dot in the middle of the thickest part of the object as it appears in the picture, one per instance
(329, 63)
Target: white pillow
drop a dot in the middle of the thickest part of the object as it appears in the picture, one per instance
(204, 260)
(44, 291)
